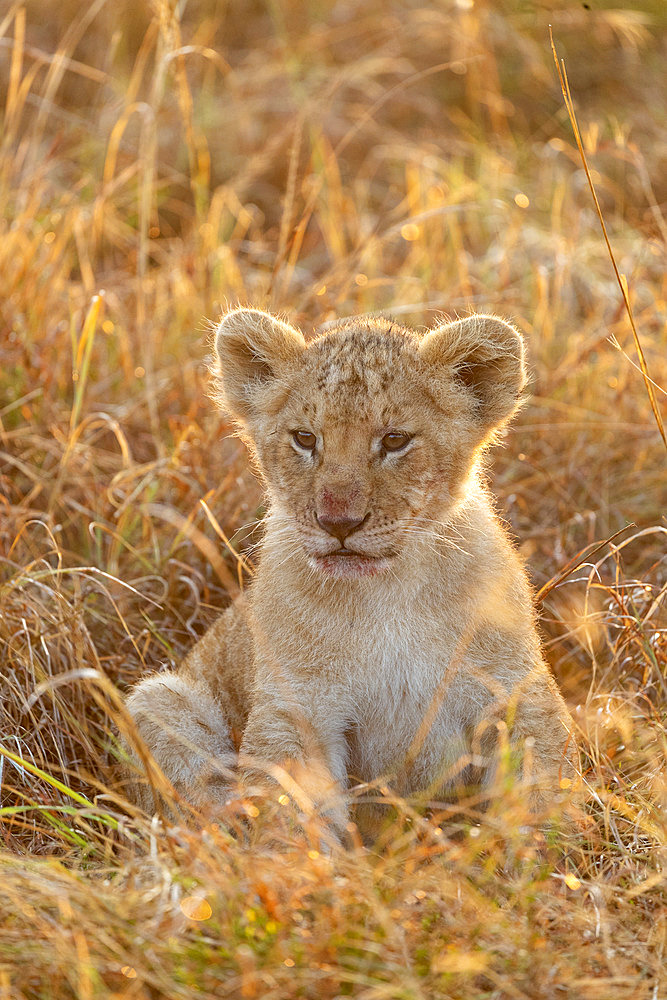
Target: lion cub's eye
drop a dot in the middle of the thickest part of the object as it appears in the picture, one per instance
(305, 439)
(395, 441)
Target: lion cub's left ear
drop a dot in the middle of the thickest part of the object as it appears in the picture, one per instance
(485, 356)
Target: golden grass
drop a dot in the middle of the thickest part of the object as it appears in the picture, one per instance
(325, 160)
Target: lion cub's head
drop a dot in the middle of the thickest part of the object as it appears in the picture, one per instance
(366, 435)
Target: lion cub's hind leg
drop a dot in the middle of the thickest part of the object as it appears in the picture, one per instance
(186, 732)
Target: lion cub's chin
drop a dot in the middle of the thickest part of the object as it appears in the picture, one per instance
(349, 567)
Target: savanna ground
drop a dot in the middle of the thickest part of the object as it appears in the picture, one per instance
(326, 160)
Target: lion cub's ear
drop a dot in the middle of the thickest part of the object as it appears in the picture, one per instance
(254, 351)
(484, 355)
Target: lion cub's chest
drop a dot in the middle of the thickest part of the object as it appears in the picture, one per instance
(394, 686)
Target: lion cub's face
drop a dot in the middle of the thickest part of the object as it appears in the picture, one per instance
(366, 435)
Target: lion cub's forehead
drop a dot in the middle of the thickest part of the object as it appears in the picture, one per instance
(363, 360)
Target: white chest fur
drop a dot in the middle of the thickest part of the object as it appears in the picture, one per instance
(388, 668)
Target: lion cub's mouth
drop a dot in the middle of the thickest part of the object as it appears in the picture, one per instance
(346, 564)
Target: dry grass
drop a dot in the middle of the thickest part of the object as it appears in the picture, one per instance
(324, 160)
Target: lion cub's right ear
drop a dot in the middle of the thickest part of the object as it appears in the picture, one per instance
(254, 352)
(484, 355)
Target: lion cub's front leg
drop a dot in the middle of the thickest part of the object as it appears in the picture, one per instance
(305, 738)
(532, 729)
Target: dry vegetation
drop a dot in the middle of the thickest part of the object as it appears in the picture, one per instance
(326, 160)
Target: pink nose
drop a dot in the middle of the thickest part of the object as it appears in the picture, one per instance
(340, 527)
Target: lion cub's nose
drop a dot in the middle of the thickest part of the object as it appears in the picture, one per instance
(340, 527)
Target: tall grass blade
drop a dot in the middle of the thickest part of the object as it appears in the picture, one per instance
(620, 278)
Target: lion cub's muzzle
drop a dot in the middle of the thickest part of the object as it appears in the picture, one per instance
(351, 558)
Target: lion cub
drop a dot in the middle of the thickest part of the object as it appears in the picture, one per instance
(389, 631)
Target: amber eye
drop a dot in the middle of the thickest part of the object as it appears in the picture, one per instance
(305, 439)
(395, 441)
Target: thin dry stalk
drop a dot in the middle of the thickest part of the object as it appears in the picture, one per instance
(620, 278)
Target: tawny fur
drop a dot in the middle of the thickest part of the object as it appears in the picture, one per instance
(400, 662)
